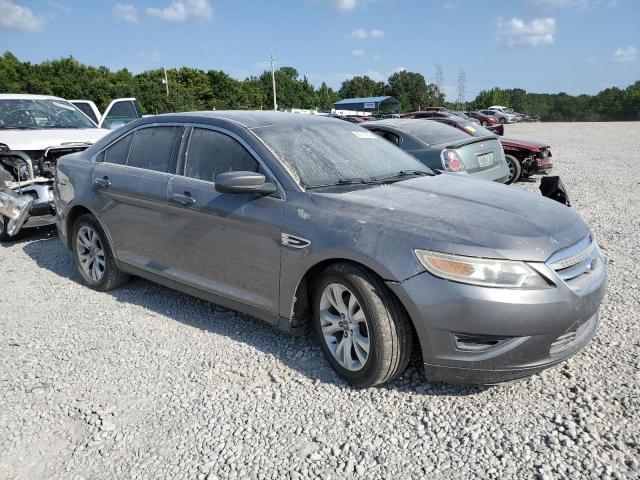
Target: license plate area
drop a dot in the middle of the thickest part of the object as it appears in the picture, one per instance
(485, 159)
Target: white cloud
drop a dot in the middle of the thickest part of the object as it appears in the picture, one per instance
(625, 54)
(375, 75)
(59, 6)
(18, 17)
(363, 34)
(344, 5)
(358, 53)
(518, 33)
(449, 6)
(125, 13)
(180, 11)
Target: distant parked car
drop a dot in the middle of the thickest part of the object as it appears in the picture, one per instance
(441, 147)
(346, 118)
(306, 221)
(453, 120)
(509, 114)
(502, 118)
(464, 116)
(119, 112)
(485, 120)
(524, 158)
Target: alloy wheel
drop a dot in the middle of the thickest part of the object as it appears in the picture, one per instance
(344, 326)
(90, 251)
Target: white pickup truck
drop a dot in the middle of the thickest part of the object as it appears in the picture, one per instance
(35, 131)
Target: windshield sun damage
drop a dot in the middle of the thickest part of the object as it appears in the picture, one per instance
(39, 114)
(332, 154)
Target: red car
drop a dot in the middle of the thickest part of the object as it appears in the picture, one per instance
(495, 128)
(485, 120)
(523, 157)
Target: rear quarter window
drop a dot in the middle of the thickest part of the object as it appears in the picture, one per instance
(155, 148)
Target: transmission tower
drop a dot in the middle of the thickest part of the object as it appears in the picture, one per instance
(462, 80)
(439, 78)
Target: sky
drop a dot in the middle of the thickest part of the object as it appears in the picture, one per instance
(572, 46)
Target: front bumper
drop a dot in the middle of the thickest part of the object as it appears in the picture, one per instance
(29, 206)
(480, 335)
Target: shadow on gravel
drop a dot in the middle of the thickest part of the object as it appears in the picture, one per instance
(302, 354)
(31, 234)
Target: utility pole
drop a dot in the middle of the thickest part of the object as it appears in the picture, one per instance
(165, 80)
(273, 81)
(462, 80)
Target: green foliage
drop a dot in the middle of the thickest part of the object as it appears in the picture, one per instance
(610, 104)
(412, 91)
(194, 89)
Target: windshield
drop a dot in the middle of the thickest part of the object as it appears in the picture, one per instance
(330, 153)
(38, 114)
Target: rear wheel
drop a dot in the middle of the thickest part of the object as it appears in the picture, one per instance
(93, 255)
(515, 169)
(363, 330)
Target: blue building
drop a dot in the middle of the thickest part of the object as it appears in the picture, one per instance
(369, 104)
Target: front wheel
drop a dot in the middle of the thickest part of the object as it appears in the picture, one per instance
(484, 123)
(4, 236)
(515, 169)
(503, 121)
(93, 255)
(363, 330)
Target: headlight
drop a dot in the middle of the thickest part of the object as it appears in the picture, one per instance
(481, 271)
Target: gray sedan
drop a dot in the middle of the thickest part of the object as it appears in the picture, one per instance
(443, 147)
(314, 222)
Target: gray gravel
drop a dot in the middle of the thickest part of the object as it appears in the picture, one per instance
(144, 382)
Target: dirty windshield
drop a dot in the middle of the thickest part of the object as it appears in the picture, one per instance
(332, 153)
(36, 114)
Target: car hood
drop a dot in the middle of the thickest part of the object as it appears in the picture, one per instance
(528, 144)
(26, 140)
(455, 214)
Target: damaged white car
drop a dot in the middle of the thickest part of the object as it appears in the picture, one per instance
(35, 131)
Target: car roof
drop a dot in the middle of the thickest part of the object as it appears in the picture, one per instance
(401, 123)
(247, 118)
(27, 96)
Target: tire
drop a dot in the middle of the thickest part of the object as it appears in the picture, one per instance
(484, 123)
(503, 120)
(515, 169)
(91, 247)
(387, 330)
(4, 236)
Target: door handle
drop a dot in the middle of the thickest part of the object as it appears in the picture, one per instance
(102, 182)
(184, 200)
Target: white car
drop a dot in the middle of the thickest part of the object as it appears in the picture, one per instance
(36, 130)
(119, 112)
(512, 117)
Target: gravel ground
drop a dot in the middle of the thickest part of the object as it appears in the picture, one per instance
(144, 382)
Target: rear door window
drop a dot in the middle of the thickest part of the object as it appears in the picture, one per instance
(155, 148)
(211, 153)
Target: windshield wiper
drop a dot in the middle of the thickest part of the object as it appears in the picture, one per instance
(348, 181)
(9, 127)
(396, 177)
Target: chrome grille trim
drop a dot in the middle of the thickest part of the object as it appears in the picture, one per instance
(579, 265)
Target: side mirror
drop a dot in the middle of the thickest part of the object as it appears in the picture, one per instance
(244, 182)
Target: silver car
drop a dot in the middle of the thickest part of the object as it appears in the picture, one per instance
(314, 222)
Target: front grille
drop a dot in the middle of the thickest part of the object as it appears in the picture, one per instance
(564, 341)
(579, 265)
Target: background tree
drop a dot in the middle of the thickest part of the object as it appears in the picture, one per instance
(357, 87)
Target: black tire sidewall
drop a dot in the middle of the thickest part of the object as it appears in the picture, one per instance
(360, 376)
(518, 169)
(91, 221)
